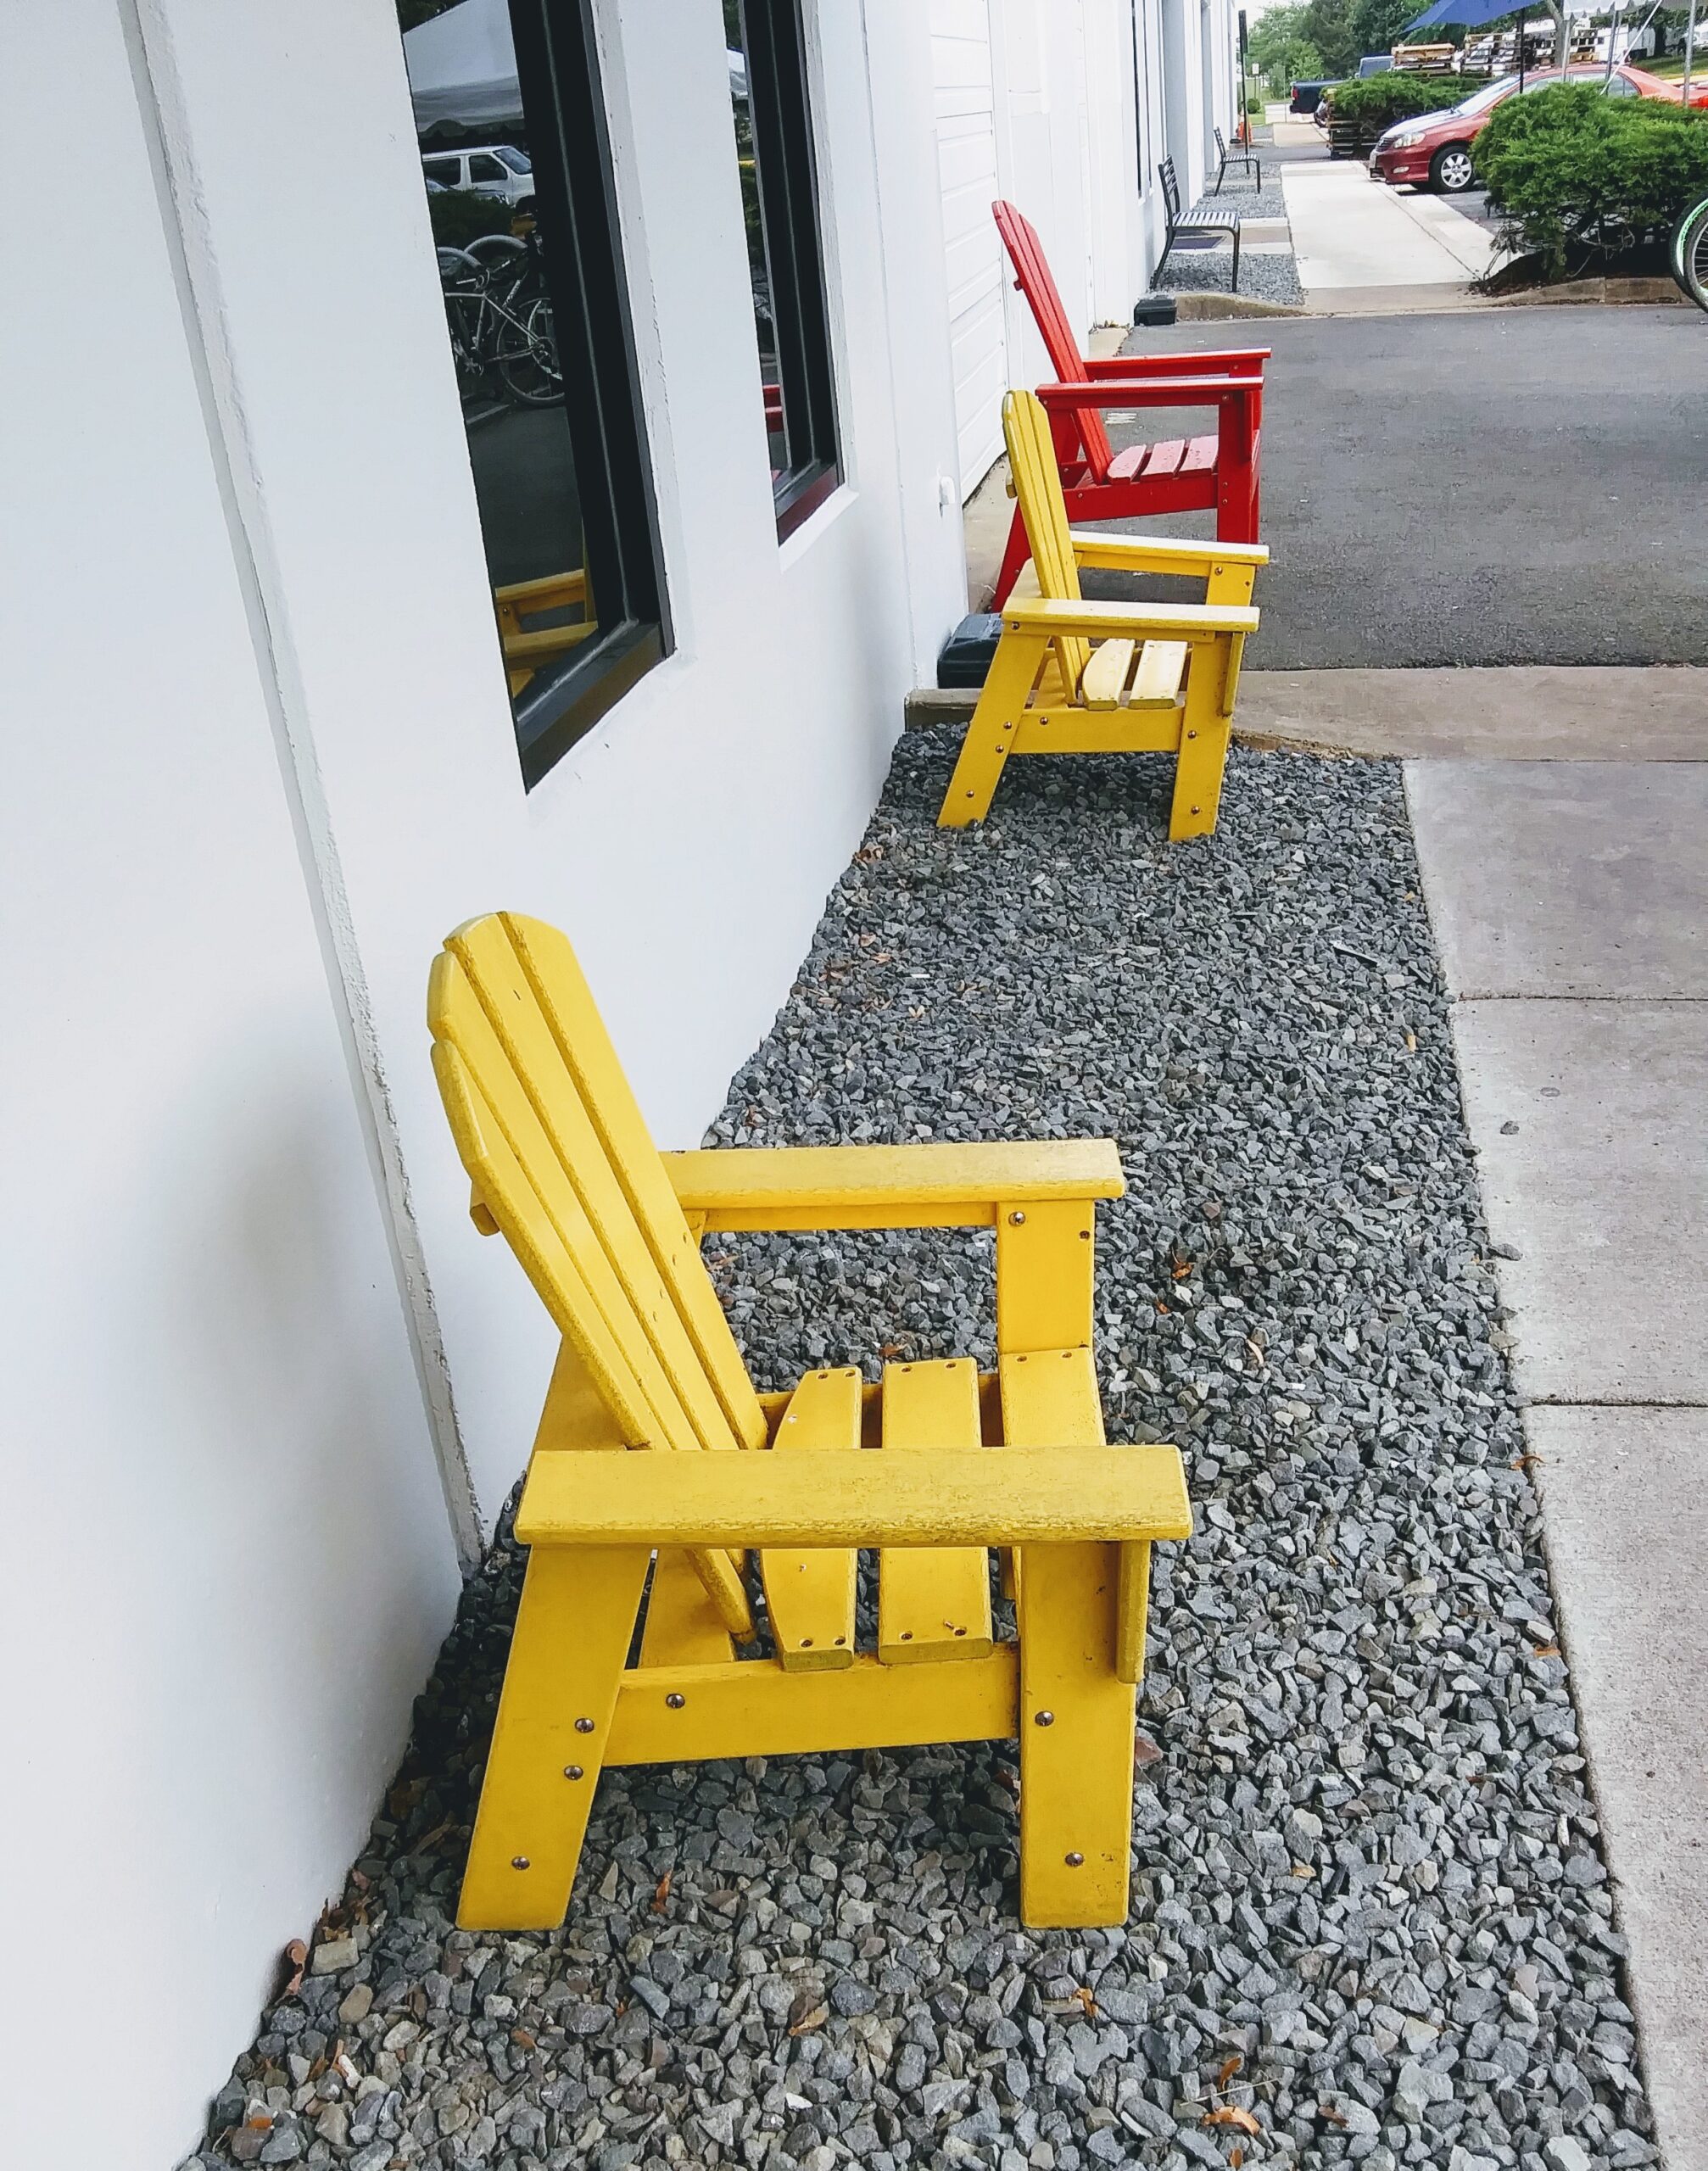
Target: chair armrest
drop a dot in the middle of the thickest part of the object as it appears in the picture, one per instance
(1154, 392)
(1247, 363)
(1188, 622)
(839, 1498)
(1148, 554)
(888, 1186)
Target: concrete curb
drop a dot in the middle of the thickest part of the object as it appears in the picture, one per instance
(1206, 309)
(1609, 292)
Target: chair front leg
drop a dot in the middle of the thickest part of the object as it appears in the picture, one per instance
(572, 1632)
(1204, 728)
(990, 735)
(1076, 1741)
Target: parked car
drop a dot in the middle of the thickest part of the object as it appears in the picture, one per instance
(1375, 63)
(1432, 150)
(486, 168)
(1307, 95)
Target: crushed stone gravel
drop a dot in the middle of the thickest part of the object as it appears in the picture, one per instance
(1372, 1922)
(1263, 278)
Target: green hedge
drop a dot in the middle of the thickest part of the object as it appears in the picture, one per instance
(1575, 176)
(1376, 102)
(460, 215)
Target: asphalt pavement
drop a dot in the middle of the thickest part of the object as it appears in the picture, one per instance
(1492, 486)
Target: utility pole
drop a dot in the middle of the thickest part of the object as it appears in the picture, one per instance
(1690, 49)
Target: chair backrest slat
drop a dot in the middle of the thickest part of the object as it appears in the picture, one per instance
(508, 1191)
(609, 1251)
(1171, 190)
(1038, 486)
(1221, 145)
(556, 978)
(1034, 278)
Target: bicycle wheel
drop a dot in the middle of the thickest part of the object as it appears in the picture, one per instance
(1690, 255)
(527, 357)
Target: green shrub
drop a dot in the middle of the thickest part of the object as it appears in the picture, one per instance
(1575, 175)
(460, 215)
(1373, 103)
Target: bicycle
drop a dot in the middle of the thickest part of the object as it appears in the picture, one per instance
(1690, 253)
(499, 315)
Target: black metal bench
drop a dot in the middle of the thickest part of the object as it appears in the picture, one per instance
(1239, 156)
(1205, 220)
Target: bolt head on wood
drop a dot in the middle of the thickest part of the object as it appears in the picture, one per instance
(583, 1726)
(1075, 1861)
(674, 1701)
(1043, 1718)
(518, 1862)
(571, 1772)
(1016, 1221)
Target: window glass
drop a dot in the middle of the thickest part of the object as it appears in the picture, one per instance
(765, 57)
(447, 172)
(536, 311)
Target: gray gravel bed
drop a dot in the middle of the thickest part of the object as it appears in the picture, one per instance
(1372, 1922)
(1210, 271)
(1238, 194)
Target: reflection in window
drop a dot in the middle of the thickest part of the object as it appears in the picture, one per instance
(514, 156)
(779, 197)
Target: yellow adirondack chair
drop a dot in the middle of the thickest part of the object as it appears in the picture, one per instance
(526, 649)
(608, 1231)
(1075, 677)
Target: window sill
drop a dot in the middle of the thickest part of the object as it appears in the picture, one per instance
(792, 547)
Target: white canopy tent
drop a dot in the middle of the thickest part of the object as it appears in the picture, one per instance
(462, 68)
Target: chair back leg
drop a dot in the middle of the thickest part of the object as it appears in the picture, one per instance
(1015, 553)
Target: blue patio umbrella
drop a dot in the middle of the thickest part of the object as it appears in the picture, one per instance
(1467, 14)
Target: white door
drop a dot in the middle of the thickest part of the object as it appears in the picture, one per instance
(962, 80)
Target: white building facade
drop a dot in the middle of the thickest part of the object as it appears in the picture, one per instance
(265, 1390)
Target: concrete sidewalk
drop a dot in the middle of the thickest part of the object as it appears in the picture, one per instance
(1570, 902)
(1359, 244)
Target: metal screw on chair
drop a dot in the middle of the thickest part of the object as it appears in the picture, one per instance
(583, 1726)
(1192, 734)
(1197, 810)
(571, 1772)
(1075, 1861)
(518, 1862)
(1016, 1221)
(674, 1701)
(1043, 1718)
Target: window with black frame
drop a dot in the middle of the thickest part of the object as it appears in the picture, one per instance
(779, 195)
(516, 161)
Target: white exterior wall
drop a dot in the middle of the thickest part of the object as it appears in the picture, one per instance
(1046, 103)
(262, 762)
(228, 1561)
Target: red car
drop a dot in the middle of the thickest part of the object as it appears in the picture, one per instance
(1432, 150)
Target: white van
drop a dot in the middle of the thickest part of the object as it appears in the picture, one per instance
(487, 168)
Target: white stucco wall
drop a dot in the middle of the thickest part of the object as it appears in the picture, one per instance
(227, 1560)
(261, 760)
(687, 843)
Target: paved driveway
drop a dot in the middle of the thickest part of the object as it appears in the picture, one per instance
(1494, 485)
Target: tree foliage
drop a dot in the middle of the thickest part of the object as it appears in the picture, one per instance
(1376, 102)
(1576, 176)
(1280, 51)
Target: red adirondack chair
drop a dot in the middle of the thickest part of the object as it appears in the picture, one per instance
(1181, 475)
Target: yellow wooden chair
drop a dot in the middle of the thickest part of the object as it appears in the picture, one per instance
(1075, 677)
(526, 649)
(608, 1230)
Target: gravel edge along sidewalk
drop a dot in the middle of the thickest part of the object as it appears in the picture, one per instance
(1372, 1922)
